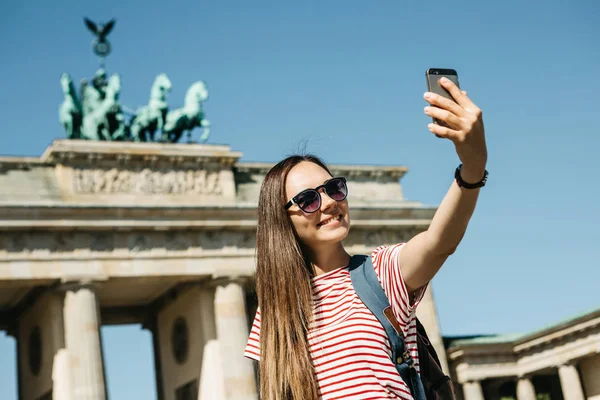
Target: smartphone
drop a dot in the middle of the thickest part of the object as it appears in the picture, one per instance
(433, 76)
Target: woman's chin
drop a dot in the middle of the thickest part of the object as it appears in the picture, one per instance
(332, 235)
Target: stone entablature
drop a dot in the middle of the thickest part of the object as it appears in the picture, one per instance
(150, 173)
(156, 174)
(129, 210)
(148, 202)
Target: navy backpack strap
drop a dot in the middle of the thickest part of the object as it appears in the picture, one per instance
(369, 290)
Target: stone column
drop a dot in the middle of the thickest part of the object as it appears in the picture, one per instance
(211, 379)
(61, 382)
(82, 340)
(232, 334)
(570, 382)
(525, 389)
(428, 315)
(472, 391)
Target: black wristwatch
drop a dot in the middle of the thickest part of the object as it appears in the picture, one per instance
(467, 185)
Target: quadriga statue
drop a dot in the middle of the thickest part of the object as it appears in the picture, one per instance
(105, 121)
(150, 118)
(69, 112)
(189, 116)
(99, 115)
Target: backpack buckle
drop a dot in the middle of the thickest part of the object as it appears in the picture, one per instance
(407, 358)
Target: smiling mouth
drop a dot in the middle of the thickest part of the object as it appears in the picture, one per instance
(330, 220)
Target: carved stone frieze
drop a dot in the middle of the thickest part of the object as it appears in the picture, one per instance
(104, 243)
(146, 181)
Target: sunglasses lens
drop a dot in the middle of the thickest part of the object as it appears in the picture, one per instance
(337, 189)
(309, 201)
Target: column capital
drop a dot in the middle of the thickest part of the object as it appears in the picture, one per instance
(217, 281)
(74, 285)
(568, 363)
(527, 376)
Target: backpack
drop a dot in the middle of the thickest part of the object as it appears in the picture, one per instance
(431, 383)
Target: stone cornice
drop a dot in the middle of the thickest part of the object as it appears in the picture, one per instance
(349, 171)
(77, 152)
(108, 154)
(70, 152)
(481, 350)
(526, 342)
(20, 163)
(559, 331)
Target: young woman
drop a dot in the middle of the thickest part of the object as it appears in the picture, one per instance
(313, 337)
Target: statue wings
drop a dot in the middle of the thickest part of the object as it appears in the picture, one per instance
(102, 30)
(91, 26)
(108, 27)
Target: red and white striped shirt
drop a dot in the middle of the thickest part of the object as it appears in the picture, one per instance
(349, 347)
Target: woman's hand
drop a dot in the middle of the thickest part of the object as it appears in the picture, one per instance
(464, 128)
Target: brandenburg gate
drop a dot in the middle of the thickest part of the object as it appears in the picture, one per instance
(98, 233)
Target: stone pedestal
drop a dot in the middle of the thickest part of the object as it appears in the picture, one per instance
(82, 339)
(472, 391)
(232, 334)
(570, 382)
(525, 389)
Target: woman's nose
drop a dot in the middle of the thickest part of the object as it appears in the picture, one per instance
(326, 201)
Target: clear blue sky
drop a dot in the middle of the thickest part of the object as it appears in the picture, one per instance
(348, 78)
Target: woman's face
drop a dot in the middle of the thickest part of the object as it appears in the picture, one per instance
(331, 222)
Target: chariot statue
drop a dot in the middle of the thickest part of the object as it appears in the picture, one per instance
(70, 112)
(152, 117)
(189, 116)
(103, 118)
(96, 113)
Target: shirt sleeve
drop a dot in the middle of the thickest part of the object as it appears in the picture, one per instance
(252, 350)
(386, 261)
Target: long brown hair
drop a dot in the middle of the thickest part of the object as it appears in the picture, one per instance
(284, 290)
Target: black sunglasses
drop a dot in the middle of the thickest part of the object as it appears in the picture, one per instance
(309, 200)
